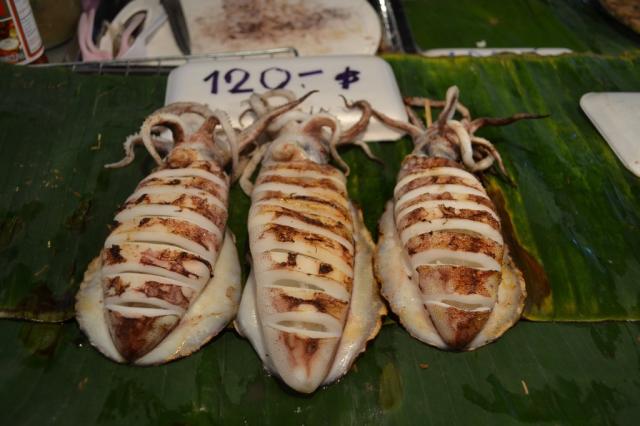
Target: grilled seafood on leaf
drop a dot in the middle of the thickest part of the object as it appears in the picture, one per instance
(441, 257)
(311, 302)
(168, 277)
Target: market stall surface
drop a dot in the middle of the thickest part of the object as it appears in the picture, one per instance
(573, 218)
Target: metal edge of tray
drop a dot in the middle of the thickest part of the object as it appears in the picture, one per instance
(397, 33)
(163, 65)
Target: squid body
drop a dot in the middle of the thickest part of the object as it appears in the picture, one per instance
(311, 302)
(441, 256)
(168, 277)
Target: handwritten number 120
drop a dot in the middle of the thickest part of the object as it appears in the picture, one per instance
(228, 78)
(237, 78)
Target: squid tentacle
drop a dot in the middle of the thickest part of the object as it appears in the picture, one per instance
(250, 168)
(413, 117)
(477, 153)
(319, 121)
(417, 101)
(350, 136)
(449, 108)
(413, 130)
(478, 123)
(129, 145)
(476, 140)
(154, 121)
(251, 133)
(231, 140)
(171, 121)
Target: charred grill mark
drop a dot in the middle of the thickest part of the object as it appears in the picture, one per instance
(207, 166)
(462, 280)
(230, 292)
(313, 238)
(301, 349)
(153, 181)
(213, 168)
(311, 347)
(313, 202)
(199, 205)
(424, 215)
(144, 198)
(113, 256)
(288, 234)
(182, 158)
(115, 286)
(304, 166)
(334, 226)
(413, 164)
(167, 292)
(271, 195)
(290, 262)
(320, 302)
(324, 268)
(437, 180)
(194, 182)
(413, 217)
(215, 214)
(475, 215)
(447, 196)
(188, 230)
(135, 337)
(175, 259)
(282, 233)
(347, 282)
(466, 325)
(307, 183)
(455, 242)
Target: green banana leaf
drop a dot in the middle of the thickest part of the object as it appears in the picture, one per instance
(573, 218)
(57, 130)
(538, 373)
(572, 221)
(579, 25)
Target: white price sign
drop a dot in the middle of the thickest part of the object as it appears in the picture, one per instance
(225, 84)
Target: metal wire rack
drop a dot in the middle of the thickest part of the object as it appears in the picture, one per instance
(395, 38)
(163, 65)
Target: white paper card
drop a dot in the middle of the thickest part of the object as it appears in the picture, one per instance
(617, 118)
(225, 84)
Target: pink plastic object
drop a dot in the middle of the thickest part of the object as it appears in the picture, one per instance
(90, 52)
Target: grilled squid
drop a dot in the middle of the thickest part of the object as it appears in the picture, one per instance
(311, 301)
(441, 258)
(168, 277)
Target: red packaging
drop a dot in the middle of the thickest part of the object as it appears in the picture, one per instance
(20, 41)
